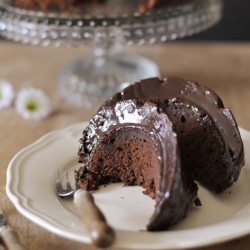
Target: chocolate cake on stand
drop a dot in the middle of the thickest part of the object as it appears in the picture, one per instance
(107, 25)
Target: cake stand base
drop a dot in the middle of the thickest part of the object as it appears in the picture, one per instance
(89, 82)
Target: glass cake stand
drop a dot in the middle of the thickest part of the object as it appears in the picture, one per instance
(91, 80)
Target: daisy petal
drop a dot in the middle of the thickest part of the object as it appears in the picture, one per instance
(32, 104)
(6, 94)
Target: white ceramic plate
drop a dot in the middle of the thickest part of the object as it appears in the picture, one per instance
(30, 187)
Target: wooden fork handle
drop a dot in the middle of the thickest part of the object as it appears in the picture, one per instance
(101, 234)
(10, 239)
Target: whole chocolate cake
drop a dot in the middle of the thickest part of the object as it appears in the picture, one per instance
(127, 141)
(142, 5)
(45, 4)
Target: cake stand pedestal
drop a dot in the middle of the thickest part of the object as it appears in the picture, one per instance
(90, 81)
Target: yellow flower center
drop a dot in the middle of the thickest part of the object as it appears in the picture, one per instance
(31, 105)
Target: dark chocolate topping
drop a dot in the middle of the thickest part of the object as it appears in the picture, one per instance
(176, 182)
(171, 114)
(201, 99)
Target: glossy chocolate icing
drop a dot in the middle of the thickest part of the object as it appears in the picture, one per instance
(192, 112)
(201, 99)
(176, 191)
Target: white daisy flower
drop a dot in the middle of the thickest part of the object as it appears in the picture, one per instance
(32, 104)
(6, 94)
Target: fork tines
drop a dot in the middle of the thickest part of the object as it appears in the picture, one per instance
(3, 219)
(58, 185)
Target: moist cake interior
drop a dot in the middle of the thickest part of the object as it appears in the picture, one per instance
(126, 155)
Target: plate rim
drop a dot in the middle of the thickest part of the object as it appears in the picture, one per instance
(120, 243)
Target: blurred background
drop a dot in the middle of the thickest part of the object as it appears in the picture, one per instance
(234, 26)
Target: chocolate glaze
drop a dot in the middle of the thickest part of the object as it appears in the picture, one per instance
(177, 190)
(201, 99)
(197, 116)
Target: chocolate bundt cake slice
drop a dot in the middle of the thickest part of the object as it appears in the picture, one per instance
(202, 143)
(207, 132)
(134, 142)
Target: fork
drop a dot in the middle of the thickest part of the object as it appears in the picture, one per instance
(8, 236)
(101, 234)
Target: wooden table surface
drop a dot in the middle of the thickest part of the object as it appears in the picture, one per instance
(223, 67)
